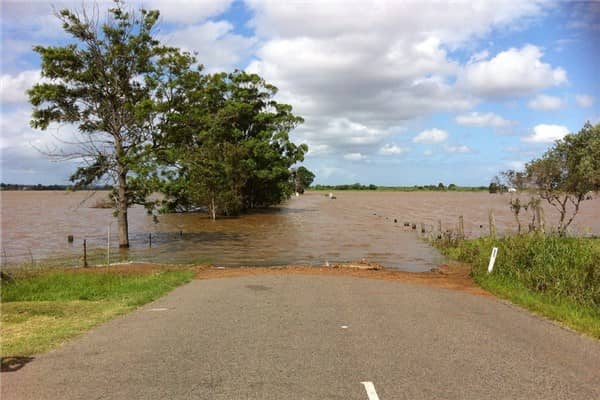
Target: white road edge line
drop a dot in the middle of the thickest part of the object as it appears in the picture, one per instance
(370, 388)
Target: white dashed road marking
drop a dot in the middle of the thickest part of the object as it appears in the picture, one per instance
(370, 388)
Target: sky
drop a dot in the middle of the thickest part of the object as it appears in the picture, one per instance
(392, 92)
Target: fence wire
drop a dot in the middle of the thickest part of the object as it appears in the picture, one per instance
(91, 250)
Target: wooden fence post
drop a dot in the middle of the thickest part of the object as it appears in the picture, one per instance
(85, 263)
(461, 228)
(492, 224)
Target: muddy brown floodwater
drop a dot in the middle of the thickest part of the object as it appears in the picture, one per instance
(310, 229)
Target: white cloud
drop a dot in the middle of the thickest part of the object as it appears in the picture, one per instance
(334, 173)
(315, 150)
(177, 11)
(337, 17)
(13, 87)
(488, 119)
(544, 133)
(513, 72)
(355, 157)
(33, 22)
(339, 136)
(458, 148)
(378, 65)
(428, 152)
(37, 17)
(431, 136)
(584, 100)
(392, 149)
(328, 78)
(14, 128)
(188, 11)
(217, 47)
(354, 133)
(18, 136)
(25, 152)
(544, 102)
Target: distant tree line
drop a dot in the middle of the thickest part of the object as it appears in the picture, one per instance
(353, 186)
(15, 186)
(496, 186)
(439, 187)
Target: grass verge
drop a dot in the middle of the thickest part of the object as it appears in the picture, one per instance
(556, 277)
(42, 310)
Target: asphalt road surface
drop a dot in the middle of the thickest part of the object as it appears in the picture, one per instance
(317, 337)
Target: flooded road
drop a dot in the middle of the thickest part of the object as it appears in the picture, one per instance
(310, 229)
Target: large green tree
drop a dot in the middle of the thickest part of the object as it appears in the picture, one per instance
(104, 83)
(566, 174)
(229, 144)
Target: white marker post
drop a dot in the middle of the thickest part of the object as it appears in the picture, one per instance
(370, 388)
(492, 260)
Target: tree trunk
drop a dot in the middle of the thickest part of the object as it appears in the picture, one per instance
(580, 198)
(213, 208)
(562, 229)
(122, 200)
(122, 210)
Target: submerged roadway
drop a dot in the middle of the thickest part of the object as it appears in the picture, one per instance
(316, 337)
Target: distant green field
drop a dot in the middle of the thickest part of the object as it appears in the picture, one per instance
(417, 188)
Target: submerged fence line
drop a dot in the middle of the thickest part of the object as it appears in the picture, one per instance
(488, 228)
(87, 248)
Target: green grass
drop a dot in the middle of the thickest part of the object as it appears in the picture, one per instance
(42, 310)
(579, 317)
(555, 277)
(132, 290)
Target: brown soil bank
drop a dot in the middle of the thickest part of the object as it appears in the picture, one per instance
(454, 277)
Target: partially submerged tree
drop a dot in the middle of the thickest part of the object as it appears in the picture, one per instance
(229, 145)
(99, 84)
(533, 207)
(302, 178)
(496, 186)
(566, 174)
